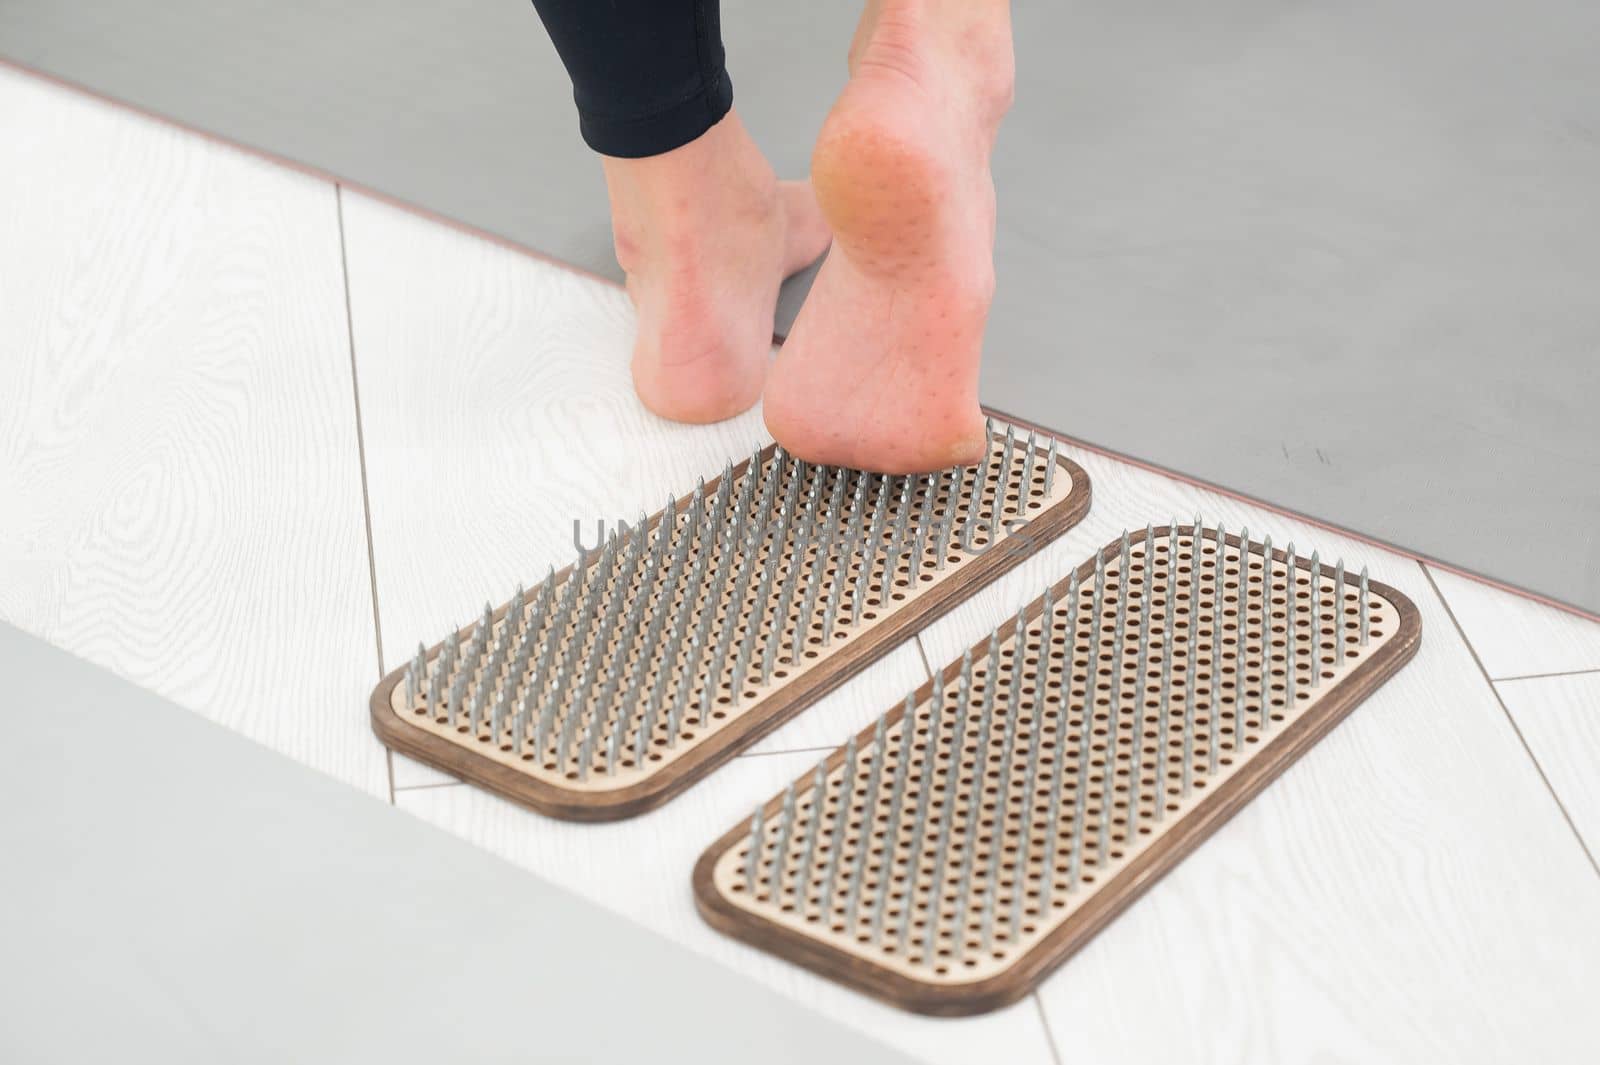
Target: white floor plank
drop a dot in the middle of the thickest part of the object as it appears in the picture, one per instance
(496, 401)
(1515, 636)
(498, 408)
(1407, 892)
(1559, 717)
(178, 447)
(410, 773)
(179, 453)
(640, 869)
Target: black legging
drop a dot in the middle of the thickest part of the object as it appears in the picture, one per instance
(647, 75)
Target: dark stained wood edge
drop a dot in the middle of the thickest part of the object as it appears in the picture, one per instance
(650, 792)
(1112, 897)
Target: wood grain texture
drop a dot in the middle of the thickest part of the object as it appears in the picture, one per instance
(917, 987)
(1405, 892)
(1515, 636)
(495, 387)
(1559, 717)
(1203, 212)
(752, 714)
(847, 709)
(480, 484)
(841, 711)
(178, 445)
(639, 867)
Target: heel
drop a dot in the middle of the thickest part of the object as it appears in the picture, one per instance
(878, 183)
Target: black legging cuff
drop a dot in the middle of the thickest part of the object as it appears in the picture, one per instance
(660, 131)
(648, 76)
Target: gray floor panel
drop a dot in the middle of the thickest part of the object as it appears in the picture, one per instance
(176, 893)
(1340, 257)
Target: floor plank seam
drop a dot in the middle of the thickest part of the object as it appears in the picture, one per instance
(361, 455)
(1547, 676)
(1511, 719)
(429, 787)
(786, 750)
(1049, 1036)
(1470, 986)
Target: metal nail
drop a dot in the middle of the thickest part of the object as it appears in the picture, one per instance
(840, 819)
(1316, 620)
(869, 810)
(780, 855)
(819, 806)
(752, 864)
(1028, 459)
(1365, 616)
(891, 836)
(1291, 627)
(1338, 614)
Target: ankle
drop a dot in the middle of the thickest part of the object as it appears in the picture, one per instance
(716, 186)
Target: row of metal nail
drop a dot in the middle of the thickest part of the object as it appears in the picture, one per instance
(634, 648)
(902, 893)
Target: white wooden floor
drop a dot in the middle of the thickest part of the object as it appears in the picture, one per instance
(260, 435)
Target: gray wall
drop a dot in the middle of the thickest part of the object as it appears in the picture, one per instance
(1342, 257)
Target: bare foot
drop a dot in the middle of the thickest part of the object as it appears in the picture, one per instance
(705, 233)
(881, 368)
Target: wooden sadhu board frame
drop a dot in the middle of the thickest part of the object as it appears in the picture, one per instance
(632, 706)
(964, 899)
